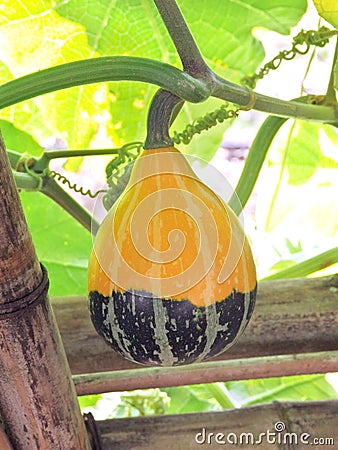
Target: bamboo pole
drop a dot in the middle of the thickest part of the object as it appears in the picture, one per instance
(38, 402)
(4, 442)
(207, 372)
(272, 426)
(290, 317)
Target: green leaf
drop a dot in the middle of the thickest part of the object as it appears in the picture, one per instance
(184, 399)
(5, 73)
(19, 140)
(34, 37)
(328, 9)
(223, 31)
(224, 34)
(62, 245)
(305, 152)
(295, 388)
(88, 400)
(24, 116)
(306, 190)
(121, 27)
(282, 265)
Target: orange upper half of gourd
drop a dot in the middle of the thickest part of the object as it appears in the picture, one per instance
(171, 236)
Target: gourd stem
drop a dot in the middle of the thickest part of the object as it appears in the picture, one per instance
(162, 108)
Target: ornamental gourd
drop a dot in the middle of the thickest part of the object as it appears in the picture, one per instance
(171, 275)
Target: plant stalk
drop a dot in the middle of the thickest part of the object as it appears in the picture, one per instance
(191, 58)
(106, 68)
(220, 394)
(117, 68)
(26, 181)
(233, 93)
(307, 267)
(254, 162)
(330, 97)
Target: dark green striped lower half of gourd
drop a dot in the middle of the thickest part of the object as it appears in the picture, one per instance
(154, 331)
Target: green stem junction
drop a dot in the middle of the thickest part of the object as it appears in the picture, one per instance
(188, 88)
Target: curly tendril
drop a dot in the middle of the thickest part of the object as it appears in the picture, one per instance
(73, 186)
(26, 164)
(204, 123)
(126, 153)
(301, 45)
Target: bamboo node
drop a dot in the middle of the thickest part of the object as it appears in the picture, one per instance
(19, 304)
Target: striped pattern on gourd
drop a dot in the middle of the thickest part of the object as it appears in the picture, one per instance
(171, 276)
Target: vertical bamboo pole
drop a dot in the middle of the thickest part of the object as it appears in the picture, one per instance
(38, 404)
(4, 442)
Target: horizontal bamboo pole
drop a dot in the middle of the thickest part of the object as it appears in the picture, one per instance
(291, 317)
(208, 372)
(38, 403)
(302, 426)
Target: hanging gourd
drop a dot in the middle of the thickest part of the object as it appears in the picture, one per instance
(171, 275)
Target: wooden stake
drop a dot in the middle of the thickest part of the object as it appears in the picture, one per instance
(38, 402)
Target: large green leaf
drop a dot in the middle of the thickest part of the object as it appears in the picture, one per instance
(25, 116)
(223, 31)
(32, 37)
(62, 245)
(35, 35)
(295, 388)
(328, 9)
